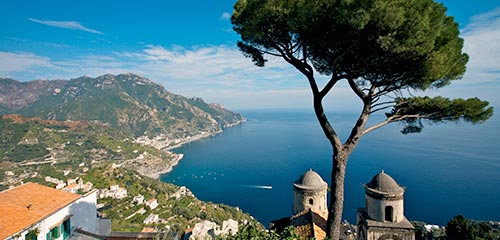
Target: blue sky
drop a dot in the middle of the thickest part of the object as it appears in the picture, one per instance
(189, 47)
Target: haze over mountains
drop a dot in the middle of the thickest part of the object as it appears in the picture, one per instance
(130, 103)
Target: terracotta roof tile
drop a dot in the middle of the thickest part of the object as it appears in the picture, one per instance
(42, 201)
(309, 224)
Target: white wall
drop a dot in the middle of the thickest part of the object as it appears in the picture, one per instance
(84, 212)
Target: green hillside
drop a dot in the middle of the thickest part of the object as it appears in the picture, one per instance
(30, 145)
(128, 102)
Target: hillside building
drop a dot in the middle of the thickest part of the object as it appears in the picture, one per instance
(383, 217)
(33, 211)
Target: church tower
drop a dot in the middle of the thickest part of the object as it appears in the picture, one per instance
(309, 192)
(383, 218)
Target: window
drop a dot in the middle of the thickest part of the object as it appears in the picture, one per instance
(389, 214)
(311, 201)
(56, 232)
(66, 228)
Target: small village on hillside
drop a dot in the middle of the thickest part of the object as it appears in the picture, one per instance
(75, 209)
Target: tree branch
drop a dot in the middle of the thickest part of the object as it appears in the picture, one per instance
(378, 125)
(357, 130)
(382, 103)
(327, 128)
(395, 118)
(356, 89)
(333, 80)
(302, 66)
(270, 53)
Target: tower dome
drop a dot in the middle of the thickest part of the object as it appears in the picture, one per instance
(310, 193)
(385, 185)
(384, 199)
(310, 180)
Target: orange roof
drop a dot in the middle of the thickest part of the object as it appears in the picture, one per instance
(309, 224)
(14, 213)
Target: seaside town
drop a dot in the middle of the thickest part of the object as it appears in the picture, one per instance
(249, 119)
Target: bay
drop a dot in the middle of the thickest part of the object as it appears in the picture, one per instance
(448, 169)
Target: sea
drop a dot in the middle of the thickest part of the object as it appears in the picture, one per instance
(447, 169)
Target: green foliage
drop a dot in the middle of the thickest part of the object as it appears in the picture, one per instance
(388, 43)
(253, 232)
(465, 229)
(32, 234)
(459, 228)
(33, 140)
(438, 109)
(12, 147)
(421, 232)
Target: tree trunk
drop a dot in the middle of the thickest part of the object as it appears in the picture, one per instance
(336, 195)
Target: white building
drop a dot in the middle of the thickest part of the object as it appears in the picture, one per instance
(182, 191)
(207, 230)
(152, 203)
(152, 218)
(229, 226)
(203, 230)
(114, 191)
(48, 213)
(139, 199)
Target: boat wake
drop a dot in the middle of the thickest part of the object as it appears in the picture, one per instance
(261, 186)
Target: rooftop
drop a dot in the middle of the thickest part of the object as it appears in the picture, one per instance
(25, 205)
(310, 180)
(384, 184)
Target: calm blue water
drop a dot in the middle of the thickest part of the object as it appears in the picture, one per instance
(448, 169)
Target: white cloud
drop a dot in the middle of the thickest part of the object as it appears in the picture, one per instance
(65, 24)
(21, 61)
(206, 66)
(225, 16)
(482, 43)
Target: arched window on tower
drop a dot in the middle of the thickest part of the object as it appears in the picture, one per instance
(311, 201)
(389, 214)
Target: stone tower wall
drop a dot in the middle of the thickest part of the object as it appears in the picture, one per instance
(302, 197)
(376, 208)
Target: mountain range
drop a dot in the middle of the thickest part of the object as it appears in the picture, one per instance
(134, 105)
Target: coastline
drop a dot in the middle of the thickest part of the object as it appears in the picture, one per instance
(191, 139)
(170, 167)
